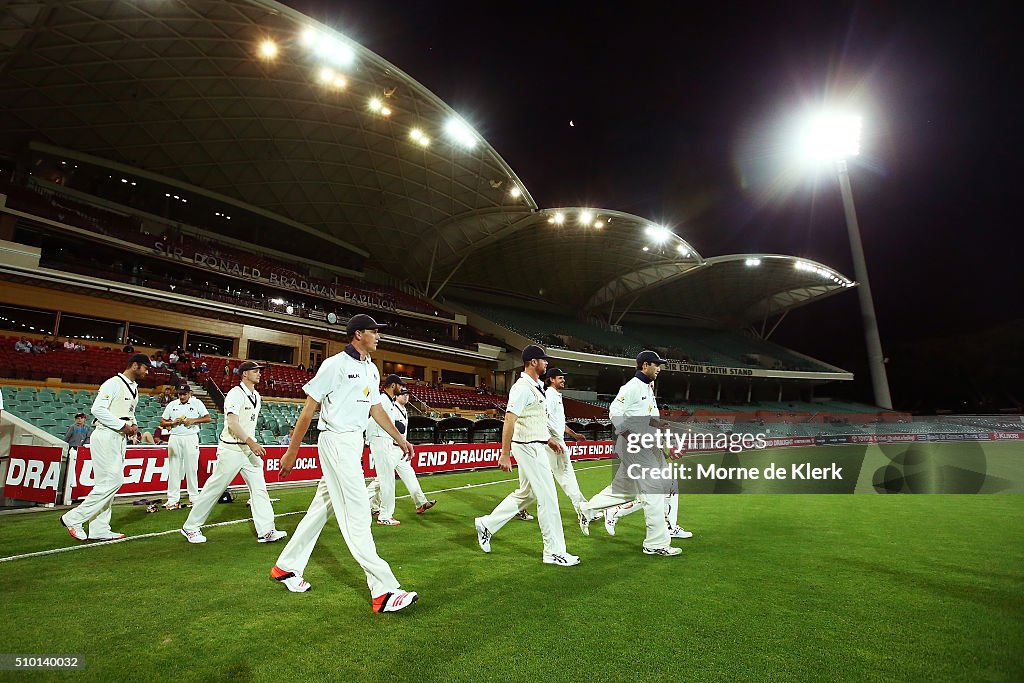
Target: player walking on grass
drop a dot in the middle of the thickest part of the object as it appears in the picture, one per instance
(635, 410)
(346, 392)
(526, 435)
(113, 414)
(238, 451)
(388, 457)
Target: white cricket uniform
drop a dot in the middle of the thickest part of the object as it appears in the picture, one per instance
(561, 463)
(387, 459)
(183, 448)
(346, 387)
(234, 456)
(526, 401)
(113, 408)
(635, 400)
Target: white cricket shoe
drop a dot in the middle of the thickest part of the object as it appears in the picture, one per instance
(679, 532)
(392, 602)
(109, 536)
(664, 552)
(194, 536)
(483, 535)
(272, 536)
(388, 521)
(291, 580)
(610, 520)
(525, 516)
(584, 523)
(76, 532)
(561, 559)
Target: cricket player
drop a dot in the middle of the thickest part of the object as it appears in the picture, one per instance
(238, 451)
(183, 417)
(345, 391)
(635, 409)
(113, 414)
(388, 457)
(526, 435)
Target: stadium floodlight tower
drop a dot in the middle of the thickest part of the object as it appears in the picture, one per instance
(832, 137)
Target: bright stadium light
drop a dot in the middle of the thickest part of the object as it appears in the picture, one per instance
(268, 49)
(329, 48)
(647, 248)
(752, 262)
(683, 251)
(658, 233)
(375, 104)
(833, 137)
(830, 136)
(586, 218)
(459, 132)
(515, 192)
(558, 218)
(598, 224)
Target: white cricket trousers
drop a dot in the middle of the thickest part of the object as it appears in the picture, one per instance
(231, 460)
(535, 484)
(387, 459)
(182, 462)
(107, 448)
(624, 490)
(564, 474)
(342, 492)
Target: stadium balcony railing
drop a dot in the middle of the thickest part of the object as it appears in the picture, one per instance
(129, 228)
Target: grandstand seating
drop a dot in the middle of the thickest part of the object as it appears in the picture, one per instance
(92, 366)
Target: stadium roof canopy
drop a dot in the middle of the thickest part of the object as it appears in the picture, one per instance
(333, 140)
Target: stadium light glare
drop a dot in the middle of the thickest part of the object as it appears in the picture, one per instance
(683, 251)
(828, 136)
(515, 192)
(268, 49)
(460, 133)
(375, 104)
(647, 248)
(558, 218)
(598, 224)
(752, 262)
(308, 37)
(658, 233)
(586, 218)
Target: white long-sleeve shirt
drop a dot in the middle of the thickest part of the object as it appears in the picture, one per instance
(556, 413)
(635, 399)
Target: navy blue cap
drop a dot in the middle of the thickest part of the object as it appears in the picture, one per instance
(554, 372)
(649, 357)
(184, 389)
(141, 359)
(534, 352)
(361, 321)
(393, 379)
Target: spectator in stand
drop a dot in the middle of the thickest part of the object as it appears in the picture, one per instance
(52, 344)
(301, 367)
(197, 353)
(204, 368)
(78, 433)
(40, 347)
(287, 438)
(227, 370)
(80, 347)
(166, 397)
(23, 346)
(68, 344)
(157, 361)
(128, 348)
(311, 370)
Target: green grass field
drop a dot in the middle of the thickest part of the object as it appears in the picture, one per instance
(772, 587)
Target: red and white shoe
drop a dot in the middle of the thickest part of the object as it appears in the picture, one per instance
(291, 580)
(76, 532)
(393, 602)
(109, 536)
(386, 521)
(426, 506)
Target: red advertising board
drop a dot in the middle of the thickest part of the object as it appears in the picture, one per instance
(33, 473)
(145, 467)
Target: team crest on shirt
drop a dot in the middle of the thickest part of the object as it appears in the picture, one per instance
(366, 391)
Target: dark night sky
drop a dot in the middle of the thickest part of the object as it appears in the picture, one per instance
(678, 109)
